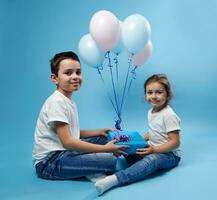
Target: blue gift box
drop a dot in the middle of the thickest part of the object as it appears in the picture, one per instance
(131, 138)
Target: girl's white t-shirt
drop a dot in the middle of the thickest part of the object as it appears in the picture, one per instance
(160, 123)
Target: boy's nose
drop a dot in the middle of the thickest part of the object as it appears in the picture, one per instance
(74, 75)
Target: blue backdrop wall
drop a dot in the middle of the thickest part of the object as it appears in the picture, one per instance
(31, 32)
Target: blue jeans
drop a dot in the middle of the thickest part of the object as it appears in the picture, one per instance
(140, 167)
(63, 165)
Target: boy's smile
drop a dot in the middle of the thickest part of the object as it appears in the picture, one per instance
(69, 77)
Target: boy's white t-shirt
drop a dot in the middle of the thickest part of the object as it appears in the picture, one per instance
(160, 123)
(57, 108)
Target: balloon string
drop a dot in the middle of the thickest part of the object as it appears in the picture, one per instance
(133, 77)
(116, 65)
(109, 97)
(118, 123)
(113, 85)
(117, 78)
(125, 85)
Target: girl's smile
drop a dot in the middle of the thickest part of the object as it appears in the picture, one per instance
(156, 95)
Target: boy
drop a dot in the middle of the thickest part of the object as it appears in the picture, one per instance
(58, 152)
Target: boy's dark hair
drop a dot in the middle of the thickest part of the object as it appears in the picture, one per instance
(55, 61)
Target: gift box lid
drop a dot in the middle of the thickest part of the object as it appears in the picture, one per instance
(127, 137)
(131, 138)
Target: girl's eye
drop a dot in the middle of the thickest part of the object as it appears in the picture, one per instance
(159, 92)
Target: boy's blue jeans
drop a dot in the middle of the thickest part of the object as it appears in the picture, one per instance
(140, 167)
(68, 164)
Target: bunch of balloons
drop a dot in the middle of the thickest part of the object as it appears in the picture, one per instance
(108, 37)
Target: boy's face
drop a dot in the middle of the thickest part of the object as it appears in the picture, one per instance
(69, 77)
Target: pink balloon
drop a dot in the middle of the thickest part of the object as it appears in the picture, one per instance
(141, 57)
(104, 28)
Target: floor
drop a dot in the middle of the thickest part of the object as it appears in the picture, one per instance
(194, 179)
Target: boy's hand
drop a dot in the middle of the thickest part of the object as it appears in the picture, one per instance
(145, 151)
(104, 132)
(111, 147)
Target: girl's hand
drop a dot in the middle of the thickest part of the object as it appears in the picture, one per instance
(145, 151)
(146, 136)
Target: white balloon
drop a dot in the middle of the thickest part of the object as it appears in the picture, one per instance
(136, 32)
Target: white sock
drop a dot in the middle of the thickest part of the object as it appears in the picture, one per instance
(106, 183)
(96, 177)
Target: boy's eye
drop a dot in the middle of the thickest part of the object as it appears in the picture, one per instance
(78, 72)
(68, 73)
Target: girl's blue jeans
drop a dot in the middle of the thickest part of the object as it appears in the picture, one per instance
(68, 164)
(140, 167)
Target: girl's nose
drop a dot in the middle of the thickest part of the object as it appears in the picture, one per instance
(153, 95)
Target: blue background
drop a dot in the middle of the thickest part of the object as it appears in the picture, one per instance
(184, 47)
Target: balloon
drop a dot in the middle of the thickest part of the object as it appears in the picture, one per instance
(104, 29)
(119, 46)
(141, 57)
(90, 52)
(136, 32)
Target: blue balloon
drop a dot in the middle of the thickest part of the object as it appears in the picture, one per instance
(136, 33)
(119, 46)
(90, 52)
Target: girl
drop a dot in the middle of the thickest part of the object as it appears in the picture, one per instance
(163, 151)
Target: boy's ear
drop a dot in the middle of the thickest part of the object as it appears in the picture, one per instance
(54, 78)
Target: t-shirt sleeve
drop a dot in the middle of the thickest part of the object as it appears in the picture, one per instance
(57, 112)
(172, 123)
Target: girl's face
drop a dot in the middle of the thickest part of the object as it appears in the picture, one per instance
(156, 95)
(69, 77)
